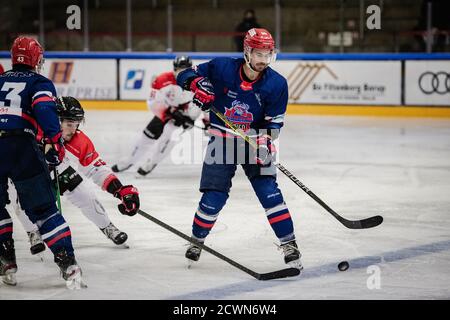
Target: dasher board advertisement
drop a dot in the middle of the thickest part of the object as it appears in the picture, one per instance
(427, 83)
(342, 82)
(137, 75)
(87, 79)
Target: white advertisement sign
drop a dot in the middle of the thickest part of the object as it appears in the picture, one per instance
(342, 82)
(89, 79)
(136, 76)
(5, 63)
(83, 78)
(427, 83)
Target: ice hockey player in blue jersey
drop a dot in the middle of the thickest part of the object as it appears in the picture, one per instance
(254, 98)
(26, 102)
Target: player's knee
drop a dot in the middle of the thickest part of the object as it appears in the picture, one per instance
(36, 196)
(267, 191)
(213, 201)
(154, 128)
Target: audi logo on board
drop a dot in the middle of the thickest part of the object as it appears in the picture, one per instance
(435, 82)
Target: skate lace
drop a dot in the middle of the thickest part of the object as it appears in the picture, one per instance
(34, 237)
(194, 249)
(288, 248)
(111, 231)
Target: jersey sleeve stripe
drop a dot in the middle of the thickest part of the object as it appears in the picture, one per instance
(47, 93)
(41, 99)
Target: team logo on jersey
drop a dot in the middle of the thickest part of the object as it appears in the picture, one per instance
(134, 79)
(60, 72)
(239, 115)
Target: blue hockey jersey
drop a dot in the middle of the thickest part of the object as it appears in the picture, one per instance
(260, 104)
(26, 102)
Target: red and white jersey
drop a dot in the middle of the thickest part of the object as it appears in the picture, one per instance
(165, 93)
(81, 150)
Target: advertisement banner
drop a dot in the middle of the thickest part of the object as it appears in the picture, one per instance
(427, 83)
(136, 76)
(5, 63)
(342, 82)
(83, 78)
(88, 79)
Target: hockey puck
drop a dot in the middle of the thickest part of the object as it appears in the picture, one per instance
(342, 266)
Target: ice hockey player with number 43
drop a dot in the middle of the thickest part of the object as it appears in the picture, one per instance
(26, 102)
(253, 97)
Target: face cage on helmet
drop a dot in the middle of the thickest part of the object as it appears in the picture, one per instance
(40, 65)
(248, 52)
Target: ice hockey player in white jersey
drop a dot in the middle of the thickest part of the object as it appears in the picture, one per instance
(173, 114)
(81, 154)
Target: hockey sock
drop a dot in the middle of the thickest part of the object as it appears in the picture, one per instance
(208, 211)
(6, 225)
(277, 212)
(280, 220)
(56, 233)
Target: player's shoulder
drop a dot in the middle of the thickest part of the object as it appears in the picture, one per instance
(274, 75)
(163, 80)
(43, 83)
(275, 79)
(80, 141)
(225, 61)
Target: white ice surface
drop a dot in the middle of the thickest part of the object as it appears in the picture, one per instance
(399, 168)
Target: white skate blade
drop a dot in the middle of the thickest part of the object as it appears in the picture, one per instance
(75, 281)
(9, 279)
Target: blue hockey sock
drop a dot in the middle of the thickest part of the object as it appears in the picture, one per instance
(208, 211)
(6, 225)
(56, 234)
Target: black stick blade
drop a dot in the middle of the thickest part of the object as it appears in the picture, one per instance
(363, 224)
(284, 273)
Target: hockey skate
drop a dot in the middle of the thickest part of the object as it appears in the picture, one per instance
(143, 173)
(193, 254)
(291, 254)
(116, 236)
(8, 266)
(116, 169)
(36, 243)
(70, 270)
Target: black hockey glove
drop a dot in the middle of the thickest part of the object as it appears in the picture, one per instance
(129, 196)
(203, 93)
(182, 120)
(54, 150)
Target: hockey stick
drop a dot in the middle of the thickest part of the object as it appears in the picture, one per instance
(58, 192)
(351, 224)
(283, 273)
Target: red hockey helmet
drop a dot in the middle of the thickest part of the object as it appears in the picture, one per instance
(28, 51)
(258, 38)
